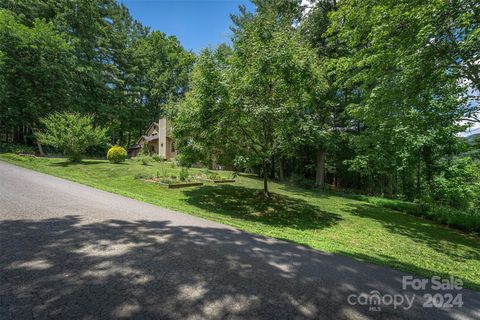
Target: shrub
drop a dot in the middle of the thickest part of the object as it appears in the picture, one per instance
(168, 180)
(145, 160)
(183, 174)
(214, 176)
(183, 160)
(71, 133)
(163, 173)
(457, 186)
(116, 154)
(463, 219)
(156, 157)
(16, 148)
(145, 151)
(302, 182)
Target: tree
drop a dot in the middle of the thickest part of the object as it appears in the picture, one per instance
(272, 75)
(200, 132)
(410, 98)
(166, 67)
(71, 133)
(36, 71)
(89, 57)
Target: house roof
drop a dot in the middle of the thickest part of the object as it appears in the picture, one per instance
(146, 137)
(150, 138)
(151, 125)
(134, 146)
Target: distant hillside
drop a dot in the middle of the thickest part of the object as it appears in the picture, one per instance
(473, 137)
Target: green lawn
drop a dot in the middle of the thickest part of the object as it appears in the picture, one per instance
(327, 222)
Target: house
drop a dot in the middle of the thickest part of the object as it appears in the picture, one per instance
(158, 140)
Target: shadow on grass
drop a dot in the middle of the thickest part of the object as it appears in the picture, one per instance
(320, 193)
(245, 203)
(67, 163)
(447, 241)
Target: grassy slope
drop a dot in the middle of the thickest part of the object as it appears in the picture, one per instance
(327, 222)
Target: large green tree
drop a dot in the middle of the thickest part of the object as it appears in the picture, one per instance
(123, 74)
(201, 131)
(273, 78)
(410, 95)
(37, 66)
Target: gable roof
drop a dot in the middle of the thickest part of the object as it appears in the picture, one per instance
(147, 137)
(151, 125)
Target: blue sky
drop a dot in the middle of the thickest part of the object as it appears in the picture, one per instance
(196, 23)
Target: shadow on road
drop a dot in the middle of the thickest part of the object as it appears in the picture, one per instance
(75, 269)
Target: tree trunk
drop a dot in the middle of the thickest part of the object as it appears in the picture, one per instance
(429, 163)
(272, 167)
(40, 149)
(282, 169)
(24, 134)
(419, 191)
(265, 178)
(320, 169)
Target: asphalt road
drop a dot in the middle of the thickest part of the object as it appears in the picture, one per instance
(74, 252)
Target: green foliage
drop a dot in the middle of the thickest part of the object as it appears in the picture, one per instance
(200, 133)
(144, 159)
(156, 157)
(70, 133)
(89, 57)
(302, 182)
(184, 175)
(16, 148)
(144, 151)
(214, 176)
(463, 219)
(242, 100)
(458, 185)
(37, 63)
(185, 159)
(378, 87)
(166, 65)
(116, 154)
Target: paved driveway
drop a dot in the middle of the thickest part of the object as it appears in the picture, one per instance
(70, 251)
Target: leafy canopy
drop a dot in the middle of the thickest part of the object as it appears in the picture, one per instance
(71, 133)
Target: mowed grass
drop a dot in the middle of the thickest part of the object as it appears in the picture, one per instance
(324, 221)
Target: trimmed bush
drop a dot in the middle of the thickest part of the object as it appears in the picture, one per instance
(116, 154)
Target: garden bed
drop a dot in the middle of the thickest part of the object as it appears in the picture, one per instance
(218, 180)
(224, 180)
(180, 185)
(174, 184)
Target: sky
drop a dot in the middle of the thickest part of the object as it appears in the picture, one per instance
(196, 23)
